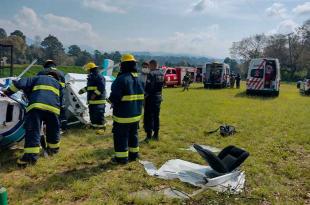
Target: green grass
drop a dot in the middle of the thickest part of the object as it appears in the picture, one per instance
(276, 132)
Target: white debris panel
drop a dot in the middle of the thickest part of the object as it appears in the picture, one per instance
(197, 175)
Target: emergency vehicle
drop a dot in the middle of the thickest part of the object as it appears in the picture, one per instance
(305, 87)
(263, 76)
(174, 76)
(216, 75)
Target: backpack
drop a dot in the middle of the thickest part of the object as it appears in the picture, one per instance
(225, 130)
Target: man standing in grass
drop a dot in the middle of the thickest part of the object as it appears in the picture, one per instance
(127, 95)
(153, 98)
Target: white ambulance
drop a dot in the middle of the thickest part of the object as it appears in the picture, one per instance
(264, 76)
(216, 75)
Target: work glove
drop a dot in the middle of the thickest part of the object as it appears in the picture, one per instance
(81, 92)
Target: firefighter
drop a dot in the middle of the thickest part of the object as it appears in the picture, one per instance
(50, 65)
(127, 95)
(153, 98)
(96, 95)
(44, 94)
(186, 81)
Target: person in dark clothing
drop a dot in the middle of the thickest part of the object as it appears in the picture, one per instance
(232, 80)
(127, 95)
(44, 94)
(238, 79)
(50, 65)
(153, 98)
(186, 81)
(96, 95)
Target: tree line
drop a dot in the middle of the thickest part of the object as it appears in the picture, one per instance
(49, 48)
(292, 50)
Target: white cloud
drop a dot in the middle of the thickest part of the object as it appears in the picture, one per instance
(277, 10)
(302, 9)
(102, 5)
(285, 27)
(67, 30)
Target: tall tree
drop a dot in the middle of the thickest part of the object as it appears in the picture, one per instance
(74, 50)
(19, 33)
(84, 58)
(248, 48)
(277, 47)
(233, 64)
(53, 49)
(19, 48)
(2, 33)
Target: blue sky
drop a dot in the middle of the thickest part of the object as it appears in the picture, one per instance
(198, 27)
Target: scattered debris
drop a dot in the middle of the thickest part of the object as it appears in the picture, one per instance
(197, 175)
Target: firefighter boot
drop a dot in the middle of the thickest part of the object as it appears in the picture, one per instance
(27, 159)
(148, 137)
(52, 151)
(155, 136)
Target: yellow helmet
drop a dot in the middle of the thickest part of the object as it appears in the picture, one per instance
(128, 57)
(90, 66)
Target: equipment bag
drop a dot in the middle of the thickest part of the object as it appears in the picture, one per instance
(225, 130)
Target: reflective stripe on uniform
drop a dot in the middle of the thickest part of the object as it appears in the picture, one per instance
(121, 154)
(127, 119)
(46, 87)
(62, 84)
(32, 150)
(135, 74)
(97, 92)
(96, 102)
(133, 97)
(53, 146)
(43, 106)
(134, 149)
(13, 88)
(94, 88)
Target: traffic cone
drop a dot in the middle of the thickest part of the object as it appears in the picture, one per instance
(3, 196)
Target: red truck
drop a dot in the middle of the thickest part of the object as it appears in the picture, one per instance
(173, 76)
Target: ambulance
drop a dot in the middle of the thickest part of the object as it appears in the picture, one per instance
(263, 76)
(216, 75)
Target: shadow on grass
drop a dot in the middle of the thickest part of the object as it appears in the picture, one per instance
(255, 96)
(80, 172)
(8, 158)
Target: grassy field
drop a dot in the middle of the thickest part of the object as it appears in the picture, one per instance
(276, 132)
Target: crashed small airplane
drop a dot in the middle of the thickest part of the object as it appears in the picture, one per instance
(12, 109)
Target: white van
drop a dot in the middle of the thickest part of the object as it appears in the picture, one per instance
(305, 87)
(216, 75)
(264, 76)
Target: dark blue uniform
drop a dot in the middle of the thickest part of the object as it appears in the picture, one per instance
(153, 98)
(127, 95)
(44, 94)
(61, 75)
(96, 95)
